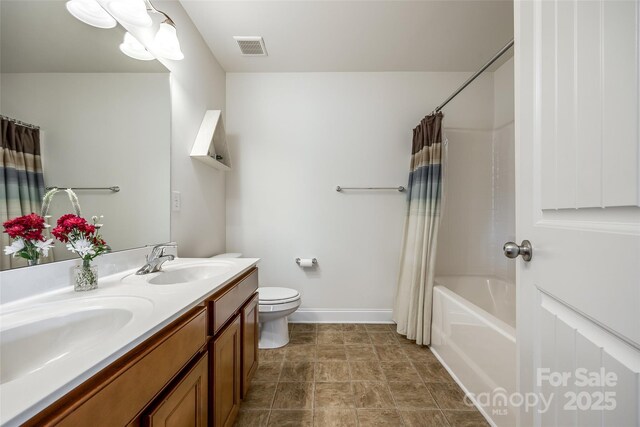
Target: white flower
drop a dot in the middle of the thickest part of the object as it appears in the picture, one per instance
(14, 248)
(82, 247)
(43, 247)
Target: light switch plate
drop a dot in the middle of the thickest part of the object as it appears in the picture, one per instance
(175, 201)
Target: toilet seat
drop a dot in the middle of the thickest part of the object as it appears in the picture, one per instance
(276, 295)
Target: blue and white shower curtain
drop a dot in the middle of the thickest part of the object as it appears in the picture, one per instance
(414, 294)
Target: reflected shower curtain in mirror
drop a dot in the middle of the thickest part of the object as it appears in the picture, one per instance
(22, 181)
(414, 292)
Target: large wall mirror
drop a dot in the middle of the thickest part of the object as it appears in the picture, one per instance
(103, 118)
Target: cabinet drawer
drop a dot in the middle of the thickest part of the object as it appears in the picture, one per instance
(119, 399)
(229, 303)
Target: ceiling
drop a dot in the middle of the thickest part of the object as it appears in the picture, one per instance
(327, 35)
(42, 37)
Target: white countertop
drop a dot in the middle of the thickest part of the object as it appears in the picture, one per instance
(153, 307)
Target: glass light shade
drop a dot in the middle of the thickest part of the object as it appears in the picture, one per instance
(133, 12)
(166, 44)
(134, 49)
(90, 12)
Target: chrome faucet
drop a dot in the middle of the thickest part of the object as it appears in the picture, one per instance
(156, 258)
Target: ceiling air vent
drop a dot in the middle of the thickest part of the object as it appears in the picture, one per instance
(251, 46)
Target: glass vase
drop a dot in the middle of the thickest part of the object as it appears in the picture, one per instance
(31, 262)
(85, 277)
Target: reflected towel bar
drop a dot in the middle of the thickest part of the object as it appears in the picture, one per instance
(115, 188)
(400, 188)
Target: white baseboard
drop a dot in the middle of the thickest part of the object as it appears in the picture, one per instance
(321, 315)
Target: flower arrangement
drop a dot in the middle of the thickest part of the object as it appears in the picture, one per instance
(29, 241)
(81, 237)
(84, 240)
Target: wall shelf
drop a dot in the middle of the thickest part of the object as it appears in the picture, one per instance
(210, 146)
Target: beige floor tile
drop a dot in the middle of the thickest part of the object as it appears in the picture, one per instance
(379, 417)
(372, 395)
(383, 338)
(366, 370)
(377, 327)
(411, 395)
(293, 396)
(418, 353)
(280, 418)
(297, 371)
(429, 418)
(303, 338)
(400, 371)
(332, 371)
(330, 337)
(353, 327)
(260, 396)
(465, 419)
(390, 353)
(449, 396)
(356, 338)
(360, 352)
(331, 352)
(268, 371)
(252, 418)
(333, 395)
(300, 352)
(432, 371)
(273, 355)
(329, 327)
(304, 327)
(335, 418)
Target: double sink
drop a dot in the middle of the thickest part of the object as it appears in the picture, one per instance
(44, 338)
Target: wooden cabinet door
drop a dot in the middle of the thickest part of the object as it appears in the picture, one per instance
(186, 403)
(250, 333)
(225, 369)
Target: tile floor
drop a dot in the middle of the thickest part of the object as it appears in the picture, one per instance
(353, 375)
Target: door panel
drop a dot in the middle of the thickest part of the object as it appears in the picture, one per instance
(249, 342)
(186, 404)
(577, 201)
(226, 374)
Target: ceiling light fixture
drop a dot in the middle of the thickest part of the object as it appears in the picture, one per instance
(134, 49)
(133, 13)
(166, 43)
(90, 12)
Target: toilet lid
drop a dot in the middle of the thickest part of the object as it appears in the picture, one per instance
(275, 295)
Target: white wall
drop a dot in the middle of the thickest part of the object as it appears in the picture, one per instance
(504, 203)
(479, 192)
(197, 85)
(295, 136)
(102, 129)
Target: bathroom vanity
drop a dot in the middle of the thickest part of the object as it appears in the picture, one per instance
(192, 368)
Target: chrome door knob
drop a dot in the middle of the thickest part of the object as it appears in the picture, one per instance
(512, 250)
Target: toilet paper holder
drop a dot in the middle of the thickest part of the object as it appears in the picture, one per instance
(313, 260)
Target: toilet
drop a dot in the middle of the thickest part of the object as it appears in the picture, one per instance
(275, 305)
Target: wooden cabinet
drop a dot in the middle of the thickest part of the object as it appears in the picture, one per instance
(250, 335)
(192, 372)
(186, 402)
(225, 369)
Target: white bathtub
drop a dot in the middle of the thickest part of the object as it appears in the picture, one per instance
(473, 335)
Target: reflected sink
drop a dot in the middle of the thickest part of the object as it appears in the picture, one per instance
(32, 339)
(190, 273)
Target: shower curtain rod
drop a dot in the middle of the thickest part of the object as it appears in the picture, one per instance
(18, 122)
(474, 76)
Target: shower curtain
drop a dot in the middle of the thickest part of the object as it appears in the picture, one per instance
(21, 179)
(414, 292)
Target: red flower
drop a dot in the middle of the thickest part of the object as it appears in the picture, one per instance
(28, 227)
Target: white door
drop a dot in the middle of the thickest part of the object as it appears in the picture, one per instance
(578, 197)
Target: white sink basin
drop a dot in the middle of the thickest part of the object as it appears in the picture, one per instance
(34, 338)
(189, 273)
